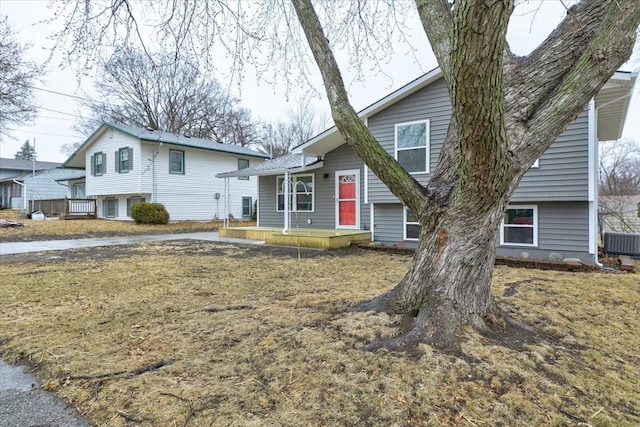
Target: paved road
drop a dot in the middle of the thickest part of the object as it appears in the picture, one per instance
(22, 402)
(59, 245)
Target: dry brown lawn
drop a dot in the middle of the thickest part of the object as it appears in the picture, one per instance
(283, 350)
(85, 228)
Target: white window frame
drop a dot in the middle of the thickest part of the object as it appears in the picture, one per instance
(427, 143)
(243, 178)
(99, 159)
(184, 160)
(294, 204)
(75, 189)
(122, 153)
(405, 211)
(105, 207)
(534, 226)
(244, 198)
(356, 173)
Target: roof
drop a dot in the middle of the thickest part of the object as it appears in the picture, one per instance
(277, 166)
(612, 104)
(61, 173)
(26, 165)
(160, 136)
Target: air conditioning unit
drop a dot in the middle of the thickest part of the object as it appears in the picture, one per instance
(622, 244)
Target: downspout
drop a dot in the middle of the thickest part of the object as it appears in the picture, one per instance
(225, 222)
(153, 180)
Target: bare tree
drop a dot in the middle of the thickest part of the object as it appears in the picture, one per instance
(506, 111)
(619, 168)
(619, 186)
(69, 149)
(301, 123)
(17, 76)
(137, 89)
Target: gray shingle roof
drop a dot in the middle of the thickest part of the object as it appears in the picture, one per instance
(26, 165)
(274, 166)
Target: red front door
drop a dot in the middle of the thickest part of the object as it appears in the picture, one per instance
(347, 191)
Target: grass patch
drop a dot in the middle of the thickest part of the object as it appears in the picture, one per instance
(86, 228)
(257, 337)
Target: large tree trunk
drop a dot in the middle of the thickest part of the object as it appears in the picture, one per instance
(448, 283)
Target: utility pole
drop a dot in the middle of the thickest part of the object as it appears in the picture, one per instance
(33, 158)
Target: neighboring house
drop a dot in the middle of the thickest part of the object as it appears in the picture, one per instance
(18, 184)
(620, 213)
(126, 165)
(555, 208)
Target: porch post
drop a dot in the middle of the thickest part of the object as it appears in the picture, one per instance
(287, 208)
(225, 222)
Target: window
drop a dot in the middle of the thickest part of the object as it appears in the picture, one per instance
(176, 161)
(110, 208)
(247, 207)
(412, 146)
(411, 225)
(124, 160)
(243, 164)
(77, 190)
(520, 226)
(16, 190)
(98, 164)
(131, 202)
(300, 193)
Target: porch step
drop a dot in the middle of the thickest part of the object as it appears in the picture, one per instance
(307, 238)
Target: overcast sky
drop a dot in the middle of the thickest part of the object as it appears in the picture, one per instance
(58, 111)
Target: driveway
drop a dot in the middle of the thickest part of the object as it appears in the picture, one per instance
(60, 245)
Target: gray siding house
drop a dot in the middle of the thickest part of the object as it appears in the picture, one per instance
(19, 184)
(553, 210)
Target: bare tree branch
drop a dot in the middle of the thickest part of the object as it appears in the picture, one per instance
(17, 75)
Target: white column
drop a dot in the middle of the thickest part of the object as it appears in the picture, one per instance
(286, 183)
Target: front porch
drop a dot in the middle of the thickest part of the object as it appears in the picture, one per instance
(307, 237)
(66, 208)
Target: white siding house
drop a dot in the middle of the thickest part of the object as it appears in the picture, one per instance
(125, 165)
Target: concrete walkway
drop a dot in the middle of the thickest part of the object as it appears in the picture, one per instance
(60, 245)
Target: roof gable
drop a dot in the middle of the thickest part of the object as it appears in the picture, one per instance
(612, 103)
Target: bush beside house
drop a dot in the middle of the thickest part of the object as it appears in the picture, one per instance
(149, 213)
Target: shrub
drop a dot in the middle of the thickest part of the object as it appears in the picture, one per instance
(149, 213)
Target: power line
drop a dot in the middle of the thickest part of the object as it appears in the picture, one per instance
(25, 130)
(60, 112)
(61, 93)
(55, 118)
